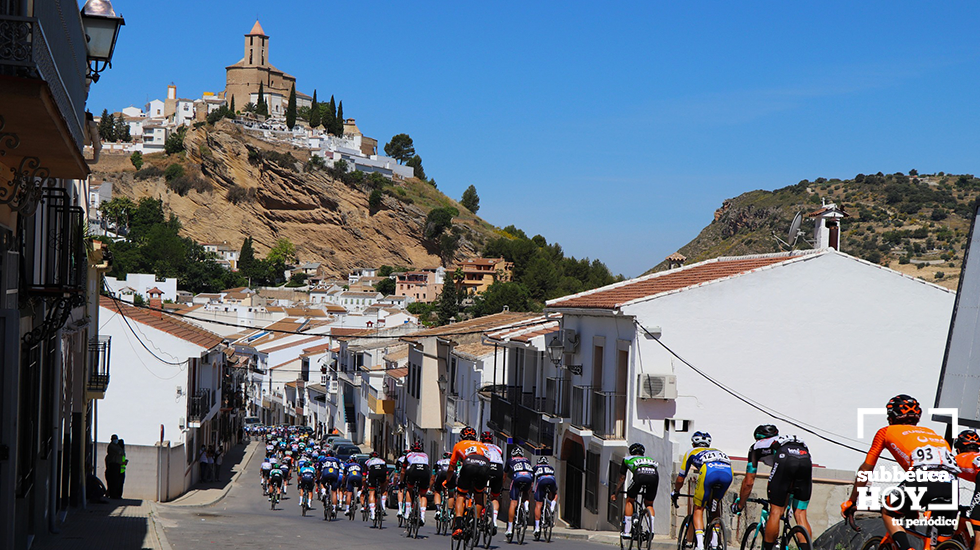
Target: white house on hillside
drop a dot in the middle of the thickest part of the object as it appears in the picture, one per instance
(811, 335)
(143, 282)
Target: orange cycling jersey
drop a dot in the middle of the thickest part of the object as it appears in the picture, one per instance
(968, 463)
(465, 448)
(912, 447)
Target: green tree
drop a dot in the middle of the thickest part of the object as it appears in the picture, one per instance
(231, 110)
(121, 130)
(282, 252)
(470, 200)
(400, 148)
(385, 286)
(291, 108)
(437, 221)
(374, 201)
(118, 212)
(136, 159)
(513, 295)
(314, 112)
(330, 117)
(416, 163)
(262, 108)
(107, 126)
(173, 172)
(175, 142)
(339, 119)
(249, 107)
(448, 302)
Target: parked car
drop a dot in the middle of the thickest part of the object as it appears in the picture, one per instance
(343, 452)
(332, 446)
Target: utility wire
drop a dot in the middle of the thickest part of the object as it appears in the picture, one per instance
(140, 340)
(774, 414)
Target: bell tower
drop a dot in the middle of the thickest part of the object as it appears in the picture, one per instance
(256, 47)
(826, 227)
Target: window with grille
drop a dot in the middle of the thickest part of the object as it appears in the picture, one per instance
(592, 482)
(614, 513)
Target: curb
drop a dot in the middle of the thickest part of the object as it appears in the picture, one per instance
(158, 529)
(247, 460)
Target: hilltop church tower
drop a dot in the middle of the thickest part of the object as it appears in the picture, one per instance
(242, 79)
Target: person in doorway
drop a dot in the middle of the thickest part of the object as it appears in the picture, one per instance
(113, 463)
(122, 468)
(202, 458)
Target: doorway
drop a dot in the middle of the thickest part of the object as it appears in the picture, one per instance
(571, 506)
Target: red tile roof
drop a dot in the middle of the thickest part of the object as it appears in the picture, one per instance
(397, 373)
(185, 331)
(618, 294)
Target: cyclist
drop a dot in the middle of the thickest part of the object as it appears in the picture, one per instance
(330, 475)
(352, 473)
(415, 473)
(377, 480)
(397, 478)
(440, 472)
(275, 481)
(496, 457)
(264, 473)
(791, 474)
(521, 474)
(646, 475)
(714, 470)
(306, 479)
(473, 473)
(967, 446)
(545, 487)
(915, 448)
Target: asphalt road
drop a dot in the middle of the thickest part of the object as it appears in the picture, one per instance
(243, 520)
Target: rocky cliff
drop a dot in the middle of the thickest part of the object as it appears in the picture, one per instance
(239, 192)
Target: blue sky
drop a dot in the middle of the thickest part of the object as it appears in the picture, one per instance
(615, 130)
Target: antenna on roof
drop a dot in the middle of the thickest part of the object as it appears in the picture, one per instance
(794, 233)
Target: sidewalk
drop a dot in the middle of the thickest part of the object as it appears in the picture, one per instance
(123, 524)
(233, 465)
(660, 542)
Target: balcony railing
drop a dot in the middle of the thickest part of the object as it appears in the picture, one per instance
(62, 261)
(609, 415)
(98, 377)
(558, 397)
(581, 406)
(200, 404)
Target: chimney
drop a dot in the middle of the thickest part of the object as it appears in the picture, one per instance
(675, 260)
(826, 226)
(156, 301)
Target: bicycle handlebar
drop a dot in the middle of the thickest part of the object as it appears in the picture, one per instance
(851, 523)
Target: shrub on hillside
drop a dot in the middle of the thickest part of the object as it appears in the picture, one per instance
(173, 172)
(149, 172)
(238, 194)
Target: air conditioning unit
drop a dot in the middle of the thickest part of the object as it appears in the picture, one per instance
(570, 339)
(657, 386)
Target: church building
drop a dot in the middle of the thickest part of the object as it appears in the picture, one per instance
(243, 78)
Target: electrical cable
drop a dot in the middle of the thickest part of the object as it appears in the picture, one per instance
(774, 414)
(140, 340)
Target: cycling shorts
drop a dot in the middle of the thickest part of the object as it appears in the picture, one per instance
(275, 481)
(714, 478)
(418, 480)
(547, 487)
(450, 482)
(648, 482)
(354, 482)
(377, 479)
(265, 473)
(520, 484)
(474, 474)
(496, 481)
(306, 483)
(330, 480)
(441, 476)
(791, 474)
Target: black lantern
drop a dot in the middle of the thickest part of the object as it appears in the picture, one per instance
(101, 31)
(556, 348)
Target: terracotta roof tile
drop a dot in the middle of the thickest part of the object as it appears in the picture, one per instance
(185, 331)
(397, 373)
(615, 295)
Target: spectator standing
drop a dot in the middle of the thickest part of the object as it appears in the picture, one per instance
(122, 468)
(113, 466)
(203, 459)
(217, 463)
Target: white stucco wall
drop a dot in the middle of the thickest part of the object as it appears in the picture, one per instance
(814, 340)
(142, 392)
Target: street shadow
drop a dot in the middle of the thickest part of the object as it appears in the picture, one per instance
(232, 462)
(110, 524)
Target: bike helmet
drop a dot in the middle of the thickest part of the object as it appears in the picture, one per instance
(765, 430)
(447, 455)
(486, 437)
(468, 433)
(517, 451)
(417, 446)
(637, 450)
(903, 409)
(329, 452)
(374, 454)
(701, 439)
(968, 440)
(351, 459)
(543, 460)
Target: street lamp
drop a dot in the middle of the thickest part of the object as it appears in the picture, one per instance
(101, 31)
(556, 348)
(443, 382)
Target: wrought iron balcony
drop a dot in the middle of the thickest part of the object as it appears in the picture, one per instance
(61, 263)
(98, 376)
(558, 397)
(43, 54)
(581, 406)
(609, 415)
(199, 406)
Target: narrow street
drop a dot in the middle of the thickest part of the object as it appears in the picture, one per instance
(243, 520)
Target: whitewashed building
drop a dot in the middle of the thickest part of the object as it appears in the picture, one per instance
(143, 282)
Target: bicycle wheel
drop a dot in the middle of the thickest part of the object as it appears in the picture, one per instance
(302, 500)
(488, 525)
(626, 543)
(473, 528)
(717, 536)
(951, 544)
(520, 525)
(797, 538)
(645, 536)
(549, 521)
(686, 531)
(752, 537)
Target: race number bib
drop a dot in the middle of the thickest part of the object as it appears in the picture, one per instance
(933, 456)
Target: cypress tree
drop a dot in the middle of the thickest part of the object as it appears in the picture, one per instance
(340, 118)
(330, 117)
(291, 109)
(314, 112)
(232, 105)
(261, 108)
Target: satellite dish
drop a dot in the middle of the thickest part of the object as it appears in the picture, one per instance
(794, 229)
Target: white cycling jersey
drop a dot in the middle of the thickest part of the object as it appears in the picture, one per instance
(494, 454)
(417, 458)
